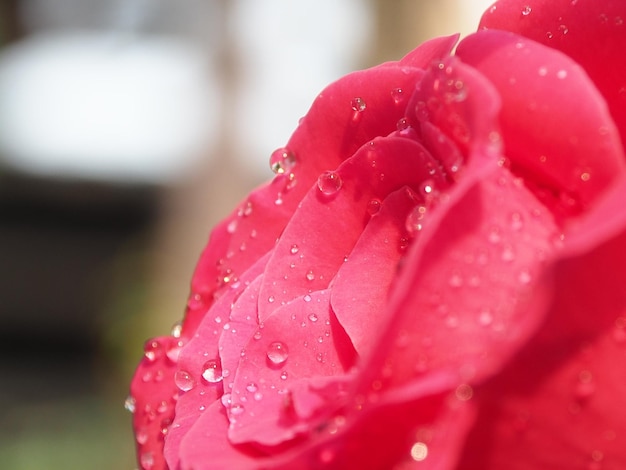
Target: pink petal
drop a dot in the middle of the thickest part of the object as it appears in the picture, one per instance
(196, 356)
(316, 240)
(380, 93)
(593, 33)
(361, 288)
(299, 342)
(569, 147)
(562, 402)
(206, 446)
(472, 290)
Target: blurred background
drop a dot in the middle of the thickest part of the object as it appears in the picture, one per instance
(128, 128)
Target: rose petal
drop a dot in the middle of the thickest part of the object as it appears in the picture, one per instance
(361, 288)
(316, 241)
(194, 359)
(346, 125)
(593, 33)
(561, 403)
(299, 341)
(206, 445)
(464, 301)
(569, 147)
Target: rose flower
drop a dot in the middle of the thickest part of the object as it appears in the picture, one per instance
(434, 278)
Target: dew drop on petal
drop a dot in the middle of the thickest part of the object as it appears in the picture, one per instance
(464, 392)
(184, 380)
(130, 403)
(397, 94)
(526, 10)
(283, 375)
(177, 329)
(313, 317)
(419, 451)
(252, 387)
(373, 207)
(310, 276)
(277, 353)
(226, 400)
(212, 371)
(237, 409)
(146, 460)
(358, 105)
(153, 350)
(294, 249)
(282, 161)
(415, 219)
(307, 298)
(329, 183)
(257, 335)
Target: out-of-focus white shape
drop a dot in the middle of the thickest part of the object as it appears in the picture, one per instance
(108, 107)
(287, 52)
(469, 14)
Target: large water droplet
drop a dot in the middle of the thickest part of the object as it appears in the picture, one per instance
(184, 380)
(282, 161)
(329, 182)
(277, 353)
(212, 371)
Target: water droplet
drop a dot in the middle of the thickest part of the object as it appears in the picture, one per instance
(561, 74)
(283, 375)
(226, 400)
(329, 183)
(294, 249)
(277, 353)
(419, 451)
(212, 371)
(252, 387)
(326, 456)
(526, 10)
(142, 436)
(415, 219)
(313, 317)
(524, 277)
(358, 105)
(397, 94)
(271, 299)
(516, 221)
(307, 298)
(257, 335)
(373, 207)
(146, 460)
(237, 409)
(485, 317)
(585, 176)
(563, 29)
(174, 351)
(402, 124)
(282, 161)
(310, 276)
(464, 392)
(130, 403)
(153, 350)
(177, 329)
(184, 380)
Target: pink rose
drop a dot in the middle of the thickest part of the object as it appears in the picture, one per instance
(434, 277)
